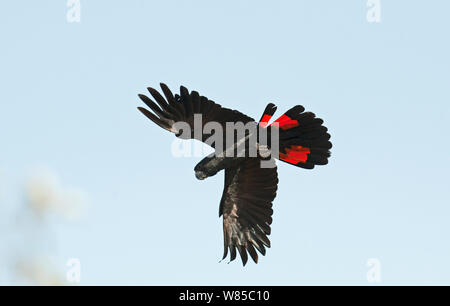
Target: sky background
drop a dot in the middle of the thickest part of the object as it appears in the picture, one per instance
(68, 103)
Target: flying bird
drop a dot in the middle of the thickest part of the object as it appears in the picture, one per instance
(246, 204)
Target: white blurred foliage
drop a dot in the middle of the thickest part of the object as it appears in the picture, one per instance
(46, 194)
(39, 271)
(27, 229)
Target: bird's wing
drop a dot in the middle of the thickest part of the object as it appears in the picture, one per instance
(246, 206)
(181, 108)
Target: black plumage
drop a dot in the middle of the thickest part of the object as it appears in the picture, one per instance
(249, 190)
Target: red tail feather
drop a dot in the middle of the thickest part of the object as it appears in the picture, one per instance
(295, 154)
(286, 123)
(304, 141)
(265, 120)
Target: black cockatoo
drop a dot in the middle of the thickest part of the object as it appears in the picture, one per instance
(246, 204)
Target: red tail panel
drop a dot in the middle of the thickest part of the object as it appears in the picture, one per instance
(295, 154)
(286, 123)
(303, 140)
(265, 120)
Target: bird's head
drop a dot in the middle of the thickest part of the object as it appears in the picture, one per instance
(206, 167)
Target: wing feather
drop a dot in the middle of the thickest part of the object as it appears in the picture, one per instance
(246, 221)
(170, 108)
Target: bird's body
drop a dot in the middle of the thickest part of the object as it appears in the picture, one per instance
(250, 179)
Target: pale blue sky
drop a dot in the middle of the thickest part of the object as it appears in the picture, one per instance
(68, 100)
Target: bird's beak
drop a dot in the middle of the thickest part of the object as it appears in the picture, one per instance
(200, 175)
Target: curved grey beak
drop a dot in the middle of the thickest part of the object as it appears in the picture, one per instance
(200, 175)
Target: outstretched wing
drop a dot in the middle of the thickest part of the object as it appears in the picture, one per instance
(181, 108)
(246, 206)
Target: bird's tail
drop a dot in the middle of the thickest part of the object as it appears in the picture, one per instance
(303, 140)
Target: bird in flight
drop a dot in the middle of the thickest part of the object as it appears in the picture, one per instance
(250, 188)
